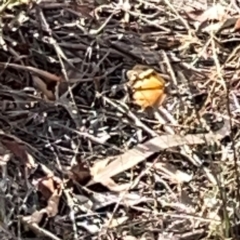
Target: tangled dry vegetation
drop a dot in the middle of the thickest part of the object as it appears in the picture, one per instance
(80, 159)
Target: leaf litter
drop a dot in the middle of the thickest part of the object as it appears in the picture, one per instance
(119, 120)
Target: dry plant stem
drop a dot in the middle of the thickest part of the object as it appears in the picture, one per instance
(58, 162)
(95, 32)
(233, 54)
(115, 209)
(43, 21)
(2, 133)
(185, 149)
(59, 51)
(219, 70)
(2, 203)
(91, 137)
(126, 14)
(142, 151)
(179, 16)
(204, 49)
(41, 231)
(71, 109)
(69, 106)
(49, 5)
(188, 216)
(233, 141)
(71, 214)
(133, 184)
(39, 72)
(138, 178)
(3, 181)
(51, 40)
(99, 38)
(75, 149)
(15, 54)
(4, 228)
(130, 115)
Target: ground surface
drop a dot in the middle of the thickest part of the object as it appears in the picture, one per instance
(80, 159)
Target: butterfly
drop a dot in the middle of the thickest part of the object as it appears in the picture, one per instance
(147, 86)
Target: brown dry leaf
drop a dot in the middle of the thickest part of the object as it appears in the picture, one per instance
(216, 12)
(79, 173)
(171, 172)
(19, 150)
(142, 151)
(111, 185)
(53, 202)
(116, 222)
(237, 25)
(42, 86)
(98, 166)
(36, 217)
(51, 209)
(147, 86)
(46, 186)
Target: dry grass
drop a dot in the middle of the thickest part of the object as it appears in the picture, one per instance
(64, 118)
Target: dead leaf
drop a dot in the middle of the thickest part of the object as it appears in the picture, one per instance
(42, 86)
(142, 151)
(147, 86)
(171, 172)
(113, 186)
(53, 202)
(79, 173)
(98, 166)
(101, 200)
(19, 150)
(36, 217)
(116, 222)
(46, 186)
(51, 209)
(216, 12)
(237, 25)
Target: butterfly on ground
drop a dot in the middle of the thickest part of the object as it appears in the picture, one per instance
(147, 86)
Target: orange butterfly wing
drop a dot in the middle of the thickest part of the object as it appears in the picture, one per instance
(148, 88)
